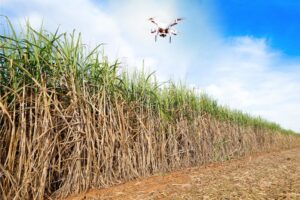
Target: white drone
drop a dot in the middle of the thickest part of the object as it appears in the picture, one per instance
(164, 30)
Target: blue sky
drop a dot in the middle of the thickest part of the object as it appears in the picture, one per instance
(243, 53)
(276, 20)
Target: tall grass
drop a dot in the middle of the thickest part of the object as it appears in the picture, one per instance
(71, 120)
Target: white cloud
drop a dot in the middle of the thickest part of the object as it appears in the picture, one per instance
(244, 78)
(131, 17)
(94, 23)
(239, 71)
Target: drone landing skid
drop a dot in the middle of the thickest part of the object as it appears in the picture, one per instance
(170, 39)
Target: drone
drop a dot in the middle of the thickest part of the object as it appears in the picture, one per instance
(164, 30)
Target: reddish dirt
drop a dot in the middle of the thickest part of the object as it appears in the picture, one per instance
(273, 175)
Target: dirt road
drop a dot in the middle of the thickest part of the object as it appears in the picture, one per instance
(266, 176)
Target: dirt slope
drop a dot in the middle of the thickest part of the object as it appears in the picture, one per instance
(266, 176)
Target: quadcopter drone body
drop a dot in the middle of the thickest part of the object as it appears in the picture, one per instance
(164, 30)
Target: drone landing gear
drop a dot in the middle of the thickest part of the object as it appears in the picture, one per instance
(155, 38)
(170, 40)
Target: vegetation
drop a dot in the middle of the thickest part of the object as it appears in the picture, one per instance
(71, 120)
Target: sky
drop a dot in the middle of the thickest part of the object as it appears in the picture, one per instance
(244, 53)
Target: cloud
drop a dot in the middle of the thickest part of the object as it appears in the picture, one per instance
(242, 72)
(132, 18)
(96, 25)
(244, 78)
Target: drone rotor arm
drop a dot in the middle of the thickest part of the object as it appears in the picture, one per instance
(173, 32)
(175, 22)
(153, 30)
(151, 19)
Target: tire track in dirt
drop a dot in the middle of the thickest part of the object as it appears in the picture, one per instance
(274, 175)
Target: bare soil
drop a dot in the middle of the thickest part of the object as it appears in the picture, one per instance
(274, 175)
